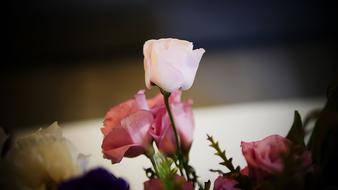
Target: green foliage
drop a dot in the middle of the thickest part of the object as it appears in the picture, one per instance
(323, 142)
(296, 133)
(164, 166)
(226, 162)
(234, 173)
(206, 185)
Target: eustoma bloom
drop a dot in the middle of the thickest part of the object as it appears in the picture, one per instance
(265, 157)
(162, 130)
(126, 129)
(224, 183)
(130, 127)
(170, 63)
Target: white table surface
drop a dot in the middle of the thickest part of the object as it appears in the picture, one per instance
(229, 124)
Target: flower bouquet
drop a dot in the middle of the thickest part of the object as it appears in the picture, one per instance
(161, 128)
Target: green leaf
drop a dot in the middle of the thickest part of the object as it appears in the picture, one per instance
(296, 133)
(207, 185)
(227, 162)
(323, 142)
(164, 166)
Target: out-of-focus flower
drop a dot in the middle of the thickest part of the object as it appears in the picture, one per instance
(170, 63)
(39, 160)
(126, 129)
(179, 183)
(98, 178)
(184, 121)
(265, 157)
(225, 183)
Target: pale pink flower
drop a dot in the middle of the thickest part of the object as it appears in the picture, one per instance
(126, 129)
(265, 156)
(170, 63)
(162, 130)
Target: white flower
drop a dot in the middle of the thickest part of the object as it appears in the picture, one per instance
(40, 160)
(170, 63)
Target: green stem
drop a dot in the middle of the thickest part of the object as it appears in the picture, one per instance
(182, 163)
(154, 164)
(150, 155)
(178, 166)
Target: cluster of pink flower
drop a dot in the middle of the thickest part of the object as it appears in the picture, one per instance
(264, 159)
(131, 128)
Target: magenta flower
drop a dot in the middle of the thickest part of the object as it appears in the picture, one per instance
(156, 184)
(225, 183)
(162, 130)
(126, 129)
(264, 156)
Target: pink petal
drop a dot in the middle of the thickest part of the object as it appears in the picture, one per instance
(116, 114)
(162, 132)
(129, 139)
(116, 143)
(224, 183)
(266, 154)
(156, 101)
(175, 97)
(185, 123)
(156, 184)
(141, 100)
(138, 125)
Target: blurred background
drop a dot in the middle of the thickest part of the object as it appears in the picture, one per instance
(71, 60)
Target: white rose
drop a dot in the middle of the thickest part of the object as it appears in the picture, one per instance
(170, 63)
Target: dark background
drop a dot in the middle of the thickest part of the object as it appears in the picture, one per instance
(72, 59)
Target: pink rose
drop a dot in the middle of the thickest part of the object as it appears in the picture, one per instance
(162, 130)
(170, 63)
(126, 129)
(156, 184)
(225, 183)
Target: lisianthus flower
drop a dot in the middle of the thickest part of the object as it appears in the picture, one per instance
(170, 63)
(162, 130)
(265, 157)
(126, 129)
(130, 127)
(97, 178)
(179, 183)
(39, 160)
(225, 183)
